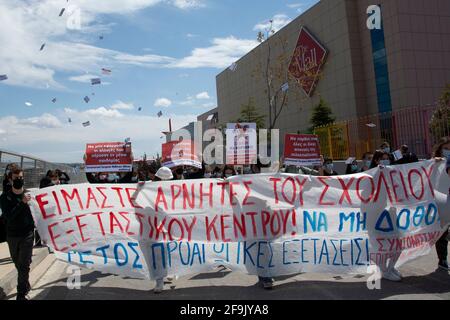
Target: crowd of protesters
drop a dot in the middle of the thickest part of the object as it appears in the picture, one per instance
(17, 226)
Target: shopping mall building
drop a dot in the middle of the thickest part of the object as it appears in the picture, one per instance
(361, 62)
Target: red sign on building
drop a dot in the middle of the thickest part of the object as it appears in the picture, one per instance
(307, 61)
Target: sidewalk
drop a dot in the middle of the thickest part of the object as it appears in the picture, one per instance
(8, 273)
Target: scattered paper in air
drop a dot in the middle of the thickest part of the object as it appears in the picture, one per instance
(62, 11)
(233, 67)
(285, 87)
(96, 81)
(106, 71)
(86, 99)
(86, 124)
(3, 77)
(54, 100)
(42, 47)
(160, 114)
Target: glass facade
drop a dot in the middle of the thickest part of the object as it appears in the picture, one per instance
(381, 69)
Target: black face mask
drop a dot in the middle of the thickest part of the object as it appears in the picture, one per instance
(18, 183)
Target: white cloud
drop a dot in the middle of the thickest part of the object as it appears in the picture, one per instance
(67, 142)
(45, 121)
(119, 105)
(162, 103)
(26, 25)
(84, 78)
(222, 53)
(188, 4)
(298, 6)
(278, 22)
(149, 60)
(203, 96)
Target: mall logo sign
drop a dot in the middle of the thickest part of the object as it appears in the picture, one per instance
(374, 20)
(307, 61)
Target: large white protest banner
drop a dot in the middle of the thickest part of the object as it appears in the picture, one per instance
(269, 225)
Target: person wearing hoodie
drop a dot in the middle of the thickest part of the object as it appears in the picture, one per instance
(163, 174)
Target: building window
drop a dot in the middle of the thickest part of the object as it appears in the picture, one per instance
(381, 69)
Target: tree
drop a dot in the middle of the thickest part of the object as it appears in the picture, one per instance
(440, 121)
(250, 114)
(275, 75)
(322, 115)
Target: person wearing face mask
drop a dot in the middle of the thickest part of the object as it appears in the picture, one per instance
(352, 168)
(112, 177)
(228, 172)
(386, 148)
(367, 161)
(407, 156)
(178, 173)
(19, 230)
(50, 180)
(6, 188)
(442, 150)
(62, 177)
(327, 168)
(380, 158)
(102, 177)
(208, 173)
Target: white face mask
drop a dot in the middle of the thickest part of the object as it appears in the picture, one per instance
(207, 175)
(134, 179)
(387, 150)
(385, 163)
(111, 177)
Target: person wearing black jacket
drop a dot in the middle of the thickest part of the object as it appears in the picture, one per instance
(63, 177)
(408, 157)
(19, 229)
(6, 187)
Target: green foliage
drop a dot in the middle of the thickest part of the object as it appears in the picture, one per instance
(322, 115)
(249, 113)
(440, 121)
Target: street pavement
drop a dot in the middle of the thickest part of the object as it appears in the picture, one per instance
(422, 281)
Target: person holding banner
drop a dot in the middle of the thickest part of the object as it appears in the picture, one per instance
(163, 174)
(367, 161)
(443, 151)
(20, 229)
(380, 158)
(327, 168)
(228, 172)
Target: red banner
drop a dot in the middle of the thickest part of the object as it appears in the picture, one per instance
(302, 150)
(180, 153)
(109, 157)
